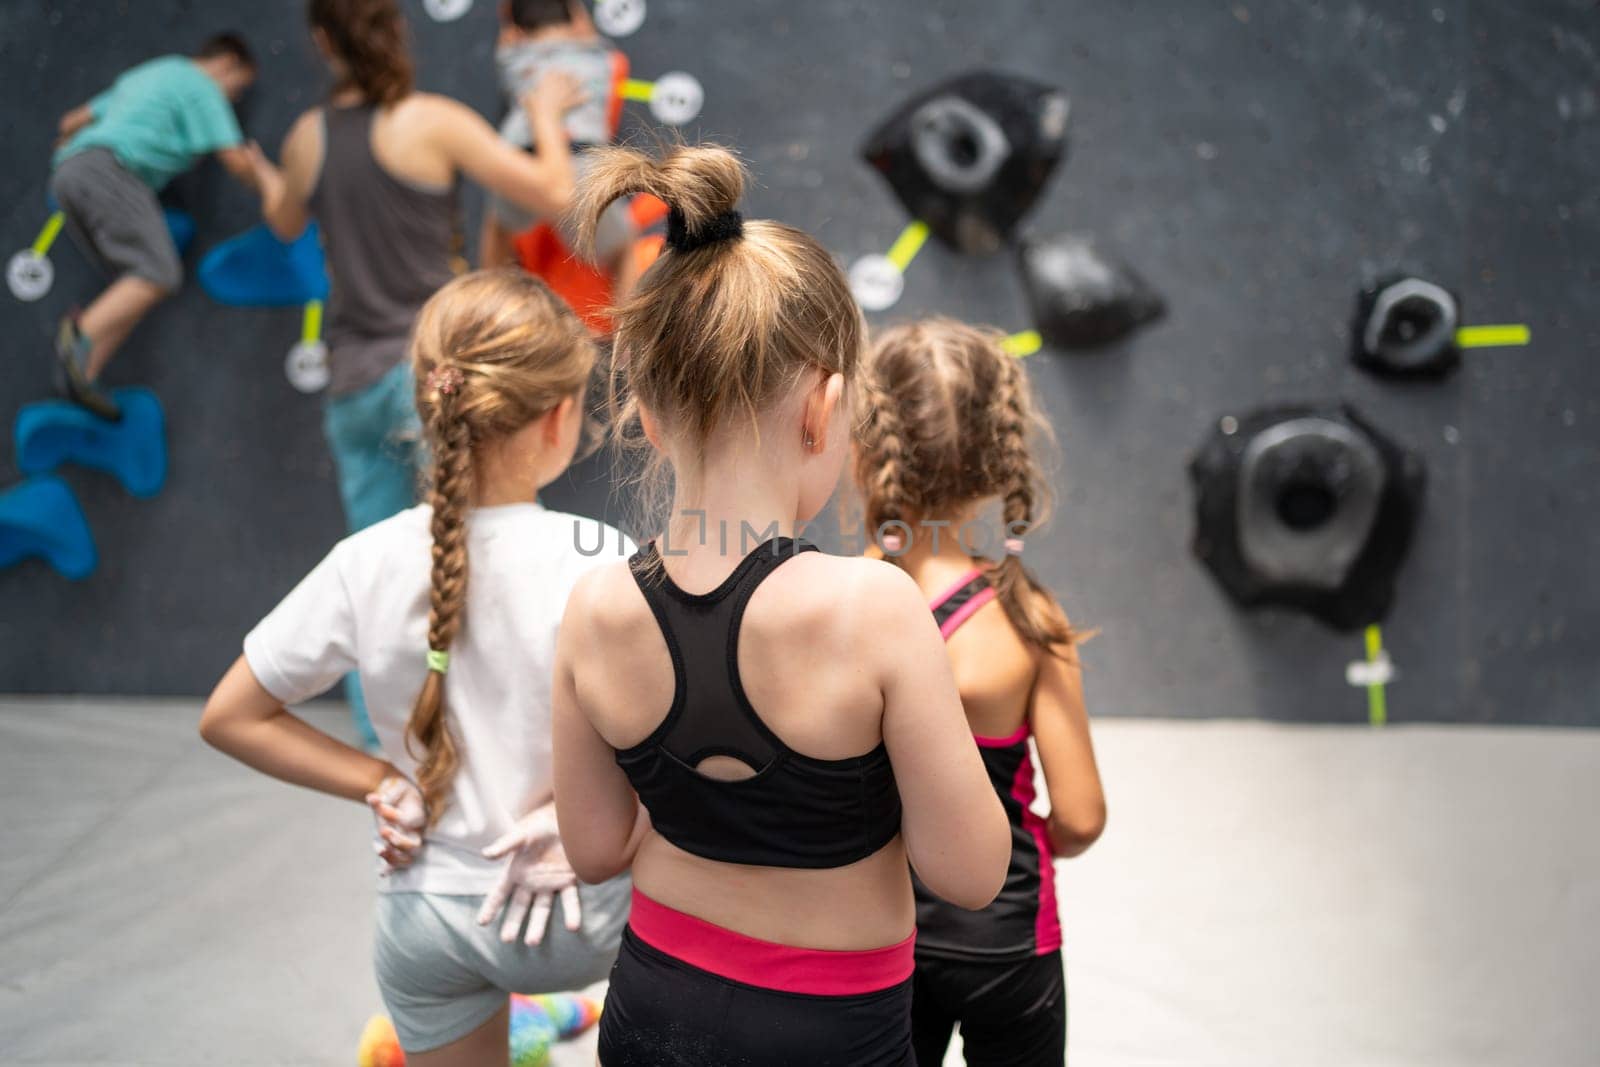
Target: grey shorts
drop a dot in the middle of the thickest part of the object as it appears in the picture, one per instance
(442, 975)
(611, 237)
(116, 219)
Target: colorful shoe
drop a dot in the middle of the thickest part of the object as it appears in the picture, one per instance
(71, 350)
(537, 1023)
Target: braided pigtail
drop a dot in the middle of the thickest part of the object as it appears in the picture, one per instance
(1032, 609)
(429, 729)
(881, 467)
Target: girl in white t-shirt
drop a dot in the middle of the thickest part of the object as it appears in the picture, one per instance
(457, 680)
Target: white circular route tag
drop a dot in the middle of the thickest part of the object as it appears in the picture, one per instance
(619, 18)
(29, 275)
(446, 10)
(676, 98)
(307, 366)
(1361, 672)
(876, 282)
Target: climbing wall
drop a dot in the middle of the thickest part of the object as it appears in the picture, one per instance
(1257, 163)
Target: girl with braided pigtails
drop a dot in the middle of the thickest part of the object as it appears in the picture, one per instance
(449, 612)
(950, 429)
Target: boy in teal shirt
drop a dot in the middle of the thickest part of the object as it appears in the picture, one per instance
(115, 154)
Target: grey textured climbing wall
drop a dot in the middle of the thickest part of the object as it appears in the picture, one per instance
(1255, 161)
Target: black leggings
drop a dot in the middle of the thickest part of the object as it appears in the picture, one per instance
(1012, 1014)
(662, 1011)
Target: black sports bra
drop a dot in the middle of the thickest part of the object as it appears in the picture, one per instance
(795, 811)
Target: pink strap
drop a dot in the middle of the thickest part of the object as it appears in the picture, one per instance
(965, 612)
(767, 964)
(938, 601)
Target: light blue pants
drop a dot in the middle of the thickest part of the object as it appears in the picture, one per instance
(376, 440)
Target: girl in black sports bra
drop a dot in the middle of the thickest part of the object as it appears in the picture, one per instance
(948, 430)
(764, 733)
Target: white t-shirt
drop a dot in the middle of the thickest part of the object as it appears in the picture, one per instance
(365, 607)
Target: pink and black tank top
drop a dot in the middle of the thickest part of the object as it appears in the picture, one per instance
(1022, 921)
(795, 811)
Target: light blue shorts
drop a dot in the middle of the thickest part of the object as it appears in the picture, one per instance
(442, 975)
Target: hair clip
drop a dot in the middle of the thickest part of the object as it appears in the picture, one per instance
(1013, 546)
(445, 380)
(891, 542)
(438, 662)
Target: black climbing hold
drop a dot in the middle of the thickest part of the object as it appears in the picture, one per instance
(1080, 299)
(970, 156)
(1306, 507)
(1405, 327)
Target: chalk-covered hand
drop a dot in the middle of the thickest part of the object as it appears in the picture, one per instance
(399, 815)
(536, 872)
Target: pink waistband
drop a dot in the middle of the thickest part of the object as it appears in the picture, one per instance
(823, 972)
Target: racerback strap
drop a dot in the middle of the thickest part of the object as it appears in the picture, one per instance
(958, 604)
(710, 714)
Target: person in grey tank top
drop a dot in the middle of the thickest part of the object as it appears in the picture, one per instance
(379, 167)
(389, 243)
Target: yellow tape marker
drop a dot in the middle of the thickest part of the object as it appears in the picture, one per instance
(1377, 702)
(48, 235)
(1023, 344)
(311, 324)
(908, 244)
(634, 89)
(1493, 336)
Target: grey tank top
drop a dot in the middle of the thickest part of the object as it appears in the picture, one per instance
(388, 244)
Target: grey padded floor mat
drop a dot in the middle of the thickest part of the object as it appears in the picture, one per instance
(1264, 895)
(159, 904)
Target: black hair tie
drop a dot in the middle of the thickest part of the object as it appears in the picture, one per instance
(725, 227)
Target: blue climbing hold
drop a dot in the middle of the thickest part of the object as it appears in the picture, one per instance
(255, 269)
(181, 225)
(133, 449)
(40, 518)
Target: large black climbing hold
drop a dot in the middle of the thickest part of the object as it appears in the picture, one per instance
(1080, 299)
(1306, 507)
(970, 156)
(1405, 327)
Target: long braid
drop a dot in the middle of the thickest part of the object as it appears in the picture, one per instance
(1031, 608)
(452, 490)
(451, 493)
(885, 457)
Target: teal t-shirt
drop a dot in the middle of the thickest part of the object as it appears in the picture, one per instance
(158, 118)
